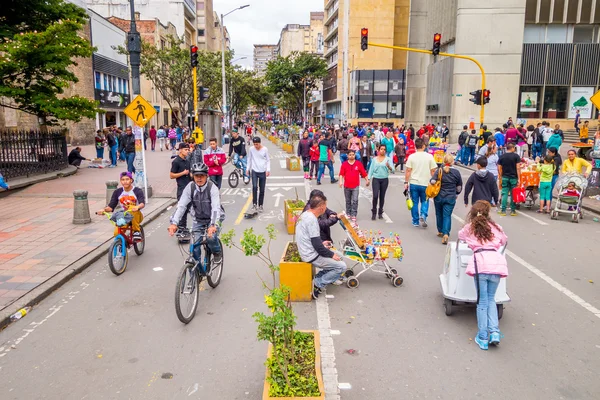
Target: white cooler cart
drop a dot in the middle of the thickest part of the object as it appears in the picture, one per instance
(458, 288)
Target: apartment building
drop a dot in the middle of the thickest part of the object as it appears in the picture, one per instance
(542, 64)
(207, 26)
(314, 44)
(365, 86)
(263, 53)
(219, 37)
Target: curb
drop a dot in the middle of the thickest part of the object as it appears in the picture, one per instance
(585, 207)
(39, 293)
(24, 182)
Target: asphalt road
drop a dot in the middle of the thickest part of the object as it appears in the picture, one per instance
(108, 337)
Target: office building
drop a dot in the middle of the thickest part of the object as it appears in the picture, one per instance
(207, 26)
(263, 53)
(541, 59)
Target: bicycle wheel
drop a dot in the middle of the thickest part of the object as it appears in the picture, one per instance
(233, 179)
(140, 246)
(117, 255)
(214, 275)
(187, 293)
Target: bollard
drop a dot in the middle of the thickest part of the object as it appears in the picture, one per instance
(111, 186)
(81, 208)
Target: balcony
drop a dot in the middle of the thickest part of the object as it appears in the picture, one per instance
(332, 31)
(328, 4)
(329, 50)
(190, 8)
(331, 15)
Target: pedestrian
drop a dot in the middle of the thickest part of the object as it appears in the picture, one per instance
(482, 183)
(343, 147)
(152, 138)
(500, 141)
(577, 121)
(557, 159)
(3, 184)
(172, 139)
(314, 160)
(354, 143)
(546, 172)
(509, 177)
(555, 141)
(304, 153)
(161, 135)
(492, 160)
(388, 142)
(75, 158)
(444, 202)
(179, 132)
(129, 149)
(462, 139)
(326, 158)
(537, 141)
(259, 165)
(488, 265)
(445, 133)
(350, 173)
(312, 249)
(584, 132)
(470, 146)
(366, 152)
(559, 131)
(99, 142)
(420, 166)
(180, 171)
(237, 147)
(400, 151)
(379, 171)
(529, 139)
(575, 164)
(122, 139)
(521, 140)
(326, 220)
(491, 141)
(547, 132)
(112, 144)
(214, 158)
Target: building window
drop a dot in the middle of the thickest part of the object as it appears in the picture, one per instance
(125, 88)
(555, 102)
(114, 84)
(529, 102)
(105, 87)
(162, 44)
(583, 34)
(98, 80)
(200, 32)
(557, 33)
(200, 5)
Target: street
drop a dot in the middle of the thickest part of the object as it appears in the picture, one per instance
(119, 337)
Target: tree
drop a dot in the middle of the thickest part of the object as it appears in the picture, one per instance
(39, 42)
(286, 77)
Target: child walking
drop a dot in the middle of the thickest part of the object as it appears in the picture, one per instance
(487, 266)
(400, 150)
(546, 172)
(314, 160)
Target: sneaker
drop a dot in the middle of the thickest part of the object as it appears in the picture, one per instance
(503, 213)
(217, 259)
(334, 181)
(353, 219)
(483, 344)
(137, 237)
(316, 292)
(260, 209)
(339, 282)
(495, 338)
(318, 183)
(513, 213)
(416, 225)
(423, 222)
(254, 208)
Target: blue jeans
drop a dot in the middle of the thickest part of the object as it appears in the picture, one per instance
(536, 149)
(113, 155)
(322, 165)
(487, 313)
(130, 157)
(443, 213)
(212, 242)
(417, 194)
(330, 271)
(240, 162)
(343, 157)
(100, 152)
(469, 156)
(459, 154)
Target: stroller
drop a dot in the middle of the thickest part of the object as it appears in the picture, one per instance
(370, 253)
(573, 203)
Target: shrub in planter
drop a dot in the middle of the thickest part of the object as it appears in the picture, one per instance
(292, 210)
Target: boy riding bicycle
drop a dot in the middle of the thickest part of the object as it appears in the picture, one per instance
(131, 199)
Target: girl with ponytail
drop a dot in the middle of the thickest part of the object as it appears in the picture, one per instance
(446, 200)
(488, 265)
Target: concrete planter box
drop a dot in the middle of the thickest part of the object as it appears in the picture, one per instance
(318, 373)
(292, 163)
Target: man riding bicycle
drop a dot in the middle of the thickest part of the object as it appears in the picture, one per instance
(206, 212)
(132, 200)
(238, 148)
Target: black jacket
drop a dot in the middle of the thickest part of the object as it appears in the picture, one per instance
(451, 182)
(462, 138)
(304, 147)
(484, 186)
(128, 143)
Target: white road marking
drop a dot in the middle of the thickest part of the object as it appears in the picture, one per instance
(286, 177)
(284, 184)
(335, 332)
(307, 189)
(532, 218)
(330, 375)
(368, 194)
(282, 163)
(157, 269)
(549, 280)
(345, 386)
(278, 197)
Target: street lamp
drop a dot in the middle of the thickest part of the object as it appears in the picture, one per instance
(226, 114)
(238, 59)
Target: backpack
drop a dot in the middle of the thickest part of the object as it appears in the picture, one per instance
(433, 189)
(472, 141)
(462, 138)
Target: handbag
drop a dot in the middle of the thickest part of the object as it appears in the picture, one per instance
(518, 194)
(433, 189)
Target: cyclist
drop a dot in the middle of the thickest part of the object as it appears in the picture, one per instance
(206, 212)
(131, 199)
(238, 148)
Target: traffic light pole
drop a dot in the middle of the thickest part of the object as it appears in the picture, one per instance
(195, 79)
(482, 111)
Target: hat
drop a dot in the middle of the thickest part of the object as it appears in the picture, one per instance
(183, 145)
(256, 139)
(126, 173)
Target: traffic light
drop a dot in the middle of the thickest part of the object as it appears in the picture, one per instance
(203, 93)
(194, 55)
(476, 99)
(364, 39)
(486, 96)
(437, 39)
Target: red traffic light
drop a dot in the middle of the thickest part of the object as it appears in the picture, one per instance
(364, 32)
(486, 93)
(194, 49)
(364, 39)
(437, 37)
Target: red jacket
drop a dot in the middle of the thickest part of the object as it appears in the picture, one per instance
(211, 157)
(352, 174)
(314, 153)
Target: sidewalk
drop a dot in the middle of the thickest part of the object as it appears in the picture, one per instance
(37, 237)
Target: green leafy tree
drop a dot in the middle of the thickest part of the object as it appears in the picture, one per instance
(286, 78)
(39, 43)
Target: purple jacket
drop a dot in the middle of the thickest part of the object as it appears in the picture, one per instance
(304, 147)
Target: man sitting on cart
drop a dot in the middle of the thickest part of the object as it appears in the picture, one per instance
(312, 249)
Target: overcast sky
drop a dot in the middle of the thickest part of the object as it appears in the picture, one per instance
(261, 23)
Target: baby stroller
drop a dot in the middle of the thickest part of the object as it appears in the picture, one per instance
(572, 203)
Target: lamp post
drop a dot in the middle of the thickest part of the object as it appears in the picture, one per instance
(238, 59)
(225, 112)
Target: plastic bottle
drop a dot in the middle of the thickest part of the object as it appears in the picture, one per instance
(20, 314)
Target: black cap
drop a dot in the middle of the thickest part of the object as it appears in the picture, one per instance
(256, 139)
(183, 145)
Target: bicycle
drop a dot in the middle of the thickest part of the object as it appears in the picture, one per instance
(118, 252)
(234, 176)
(190, 277)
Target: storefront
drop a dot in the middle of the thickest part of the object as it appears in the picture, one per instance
(113, 105)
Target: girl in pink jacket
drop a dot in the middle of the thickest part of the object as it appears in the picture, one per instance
(487, 266)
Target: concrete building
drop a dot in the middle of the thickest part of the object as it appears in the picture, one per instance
(541, 58)
(293, 37)
(206, 23)
(154, 32)
(181, 13)
(219, 37)
(263, 53)
(315, 33)
(365, 86)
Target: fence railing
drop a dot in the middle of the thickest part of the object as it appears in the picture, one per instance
(27, 153)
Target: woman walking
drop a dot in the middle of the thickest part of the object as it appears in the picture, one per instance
(446, 200)
(379, 172)
(487, 266)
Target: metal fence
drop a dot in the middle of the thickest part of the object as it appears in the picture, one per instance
(26, 153)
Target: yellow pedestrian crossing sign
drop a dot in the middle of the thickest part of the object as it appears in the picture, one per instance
(140, 111)
(596, 99)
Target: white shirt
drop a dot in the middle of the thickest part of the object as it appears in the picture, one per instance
(259, 160)
(547, 133)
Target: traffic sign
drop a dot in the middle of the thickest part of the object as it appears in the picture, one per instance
(140, 111)
(596, 99)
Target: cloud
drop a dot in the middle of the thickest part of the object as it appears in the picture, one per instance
(261, 23)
